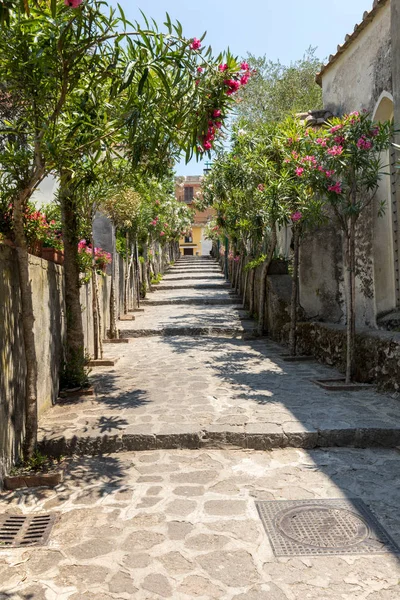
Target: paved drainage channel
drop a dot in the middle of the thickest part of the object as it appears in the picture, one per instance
(18, 531)
(323, 527)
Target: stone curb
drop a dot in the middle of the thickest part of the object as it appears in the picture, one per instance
(216, 437)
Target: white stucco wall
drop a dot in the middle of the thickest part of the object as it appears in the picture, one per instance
(357, 78)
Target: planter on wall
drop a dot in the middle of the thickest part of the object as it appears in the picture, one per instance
(53, 255)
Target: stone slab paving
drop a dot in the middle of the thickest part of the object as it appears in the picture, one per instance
(158, 318)
(184, 525)
(209, 391)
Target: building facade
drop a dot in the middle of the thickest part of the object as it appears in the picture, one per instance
(364, 74)
(188, 189)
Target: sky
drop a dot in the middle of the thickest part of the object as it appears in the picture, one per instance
(280, 29)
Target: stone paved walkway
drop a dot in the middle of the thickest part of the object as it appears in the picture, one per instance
(210, 387)
(182, 524)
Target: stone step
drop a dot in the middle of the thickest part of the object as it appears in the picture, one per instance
(195, 277)
(257, 436)
(200, 301)
(195, 286)
(187, 332)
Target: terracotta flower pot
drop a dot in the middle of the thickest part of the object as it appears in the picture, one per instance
(53, 255)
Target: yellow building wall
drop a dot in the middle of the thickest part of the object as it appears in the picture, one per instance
(196, 241)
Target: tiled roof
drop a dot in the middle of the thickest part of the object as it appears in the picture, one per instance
(350, 37)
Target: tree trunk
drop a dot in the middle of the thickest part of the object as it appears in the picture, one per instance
(28, 319)
(137, 271)
(74, 373)
(263, 282)
(251, 303)
(113, 307)
(97, 341)
(246, 280)
(295, 291)
(126, 274)
(351, 294)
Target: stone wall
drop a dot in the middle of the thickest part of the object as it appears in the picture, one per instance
(49, 329)
(48, 302)
(377, 353)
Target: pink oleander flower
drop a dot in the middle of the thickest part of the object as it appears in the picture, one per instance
(355, 113)
(337, 188)
(287, 160)
(207, 145)
(73, 3)
(375, 131)
(336, 128)
(223, 67)
(364, 144)
(261, 187)
(321, 168)
(295, 154)
(335, 150)
(290, 141)
(339, 139)
(218, 124)
(81, 244)
(196, 44)
(299, 171)
(162, 233)
(310, 159)
(216, 113)
(321, 142)
(197, 82)
(329, 173)
(296, 216)
(233, 85)
(245, 66)
(236, 259)
(200, 69)
(244, 80)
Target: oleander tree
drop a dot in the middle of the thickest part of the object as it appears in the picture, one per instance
(342, 163)
(83, 82)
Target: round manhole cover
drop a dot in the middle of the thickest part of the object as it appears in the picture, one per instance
(321, 527)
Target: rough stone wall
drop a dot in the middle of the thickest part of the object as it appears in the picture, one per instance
(377, 352)
(49, 311)
(48, 302)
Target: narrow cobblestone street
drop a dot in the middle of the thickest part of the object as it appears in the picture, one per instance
(198, 420)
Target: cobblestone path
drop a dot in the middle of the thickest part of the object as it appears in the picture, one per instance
(190, 378)
(182, 524)
(202, 401)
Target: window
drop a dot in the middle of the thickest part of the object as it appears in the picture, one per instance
(188, 197)
(188, 239)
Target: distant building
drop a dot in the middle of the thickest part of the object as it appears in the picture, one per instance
(187, 189)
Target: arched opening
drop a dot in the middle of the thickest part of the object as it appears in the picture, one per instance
(385, 228)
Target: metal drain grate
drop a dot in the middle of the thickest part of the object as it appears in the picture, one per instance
(317, 527)
(25, 530)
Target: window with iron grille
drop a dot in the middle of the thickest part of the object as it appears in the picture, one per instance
(188, 194)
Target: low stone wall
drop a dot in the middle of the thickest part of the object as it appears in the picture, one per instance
(49, 329)
(377, 353)
(48, 302)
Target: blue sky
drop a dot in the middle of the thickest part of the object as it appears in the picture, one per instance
(281, 29)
